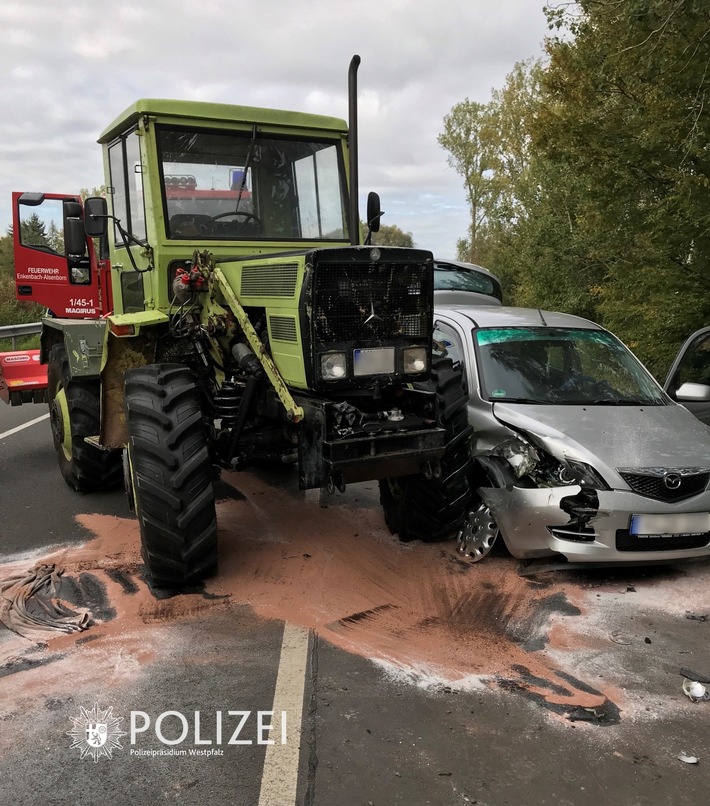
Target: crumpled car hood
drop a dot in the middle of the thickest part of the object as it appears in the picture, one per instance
(614, 436)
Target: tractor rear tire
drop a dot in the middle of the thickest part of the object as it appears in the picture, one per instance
(75, 410)
(431, 509)
(171, 475)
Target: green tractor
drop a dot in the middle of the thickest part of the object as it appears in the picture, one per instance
(247, 322)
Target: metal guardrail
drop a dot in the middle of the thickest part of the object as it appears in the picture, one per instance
(13, 332)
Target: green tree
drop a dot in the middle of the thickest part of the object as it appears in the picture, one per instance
(7, 256)
(389, 235)
(595, 171)
(84, 193)
(55, 236)
(624, 116)
(12, 311)
(469, 139)
(33, 231)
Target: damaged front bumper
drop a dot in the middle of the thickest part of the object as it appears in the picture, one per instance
(546, 521)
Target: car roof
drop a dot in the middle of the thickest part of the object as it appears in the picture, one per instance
(504, 316)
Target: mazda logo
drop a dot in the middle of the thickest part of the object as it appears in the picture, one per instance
(672, 480)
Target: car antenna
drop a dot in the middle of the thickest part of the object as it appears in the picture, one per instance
(542, 318)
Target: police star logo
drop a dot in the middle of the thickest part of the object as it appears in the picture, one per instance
(96, 733)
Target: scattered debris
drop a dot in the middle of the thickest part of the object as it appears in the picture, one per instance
(687, 759)
(691, 675)
(585, 715)
(619, 638)
(695, 691)
(697, 616)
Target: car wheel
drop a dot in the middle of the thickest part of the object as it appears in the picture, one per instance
(480, 533)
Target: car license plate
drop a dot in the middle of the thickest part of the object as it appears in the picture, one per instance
(687, 523)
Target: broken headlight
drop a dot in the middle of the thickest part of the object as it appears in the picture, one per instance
(585, 475)
(544, 469)
(552, 472)
(520, 455)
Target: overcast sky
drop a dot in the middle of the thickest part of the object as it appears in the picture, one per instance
(67, 69)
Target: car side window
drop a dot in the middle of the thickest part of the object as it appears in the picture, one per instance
(447, 344)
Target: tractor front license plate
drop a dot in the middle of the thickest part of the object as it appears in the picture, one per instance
(375, 361)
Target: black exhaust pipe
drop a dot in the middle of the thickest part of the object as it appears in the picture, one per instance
(354, 217)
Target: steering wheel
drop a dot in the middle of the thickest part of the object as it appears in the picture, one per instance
(207, 228)
(245, 215)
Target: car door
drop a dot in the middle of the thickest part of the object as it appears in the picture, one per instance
(452, 338)
(692, 366)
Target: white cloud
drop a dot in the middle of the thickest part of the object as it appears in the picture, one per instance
(67, 70)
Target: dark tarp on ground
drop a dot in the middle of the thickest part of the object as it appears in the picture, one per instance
(29, 605)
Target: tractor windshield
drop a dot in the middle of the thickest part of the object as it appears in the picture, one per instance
(242, 185)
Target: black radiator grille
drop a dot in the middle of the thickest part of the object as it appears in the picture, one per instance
(362, 301)
(654, 486)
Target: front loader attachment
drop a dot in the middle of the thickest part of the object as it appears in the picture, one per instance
(22, 378)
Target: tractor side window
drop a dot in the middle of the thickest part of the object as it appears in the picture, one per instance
(42, 226)
(135, 186)
(119, 196)
(126, 189)
(317, 190)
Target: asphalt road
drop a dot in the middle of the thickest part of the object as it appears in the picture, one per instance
(405, 675)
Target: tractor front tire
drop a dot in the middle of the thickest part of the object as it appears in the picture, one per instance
(171, 475)
(431, 509)
(74, 411)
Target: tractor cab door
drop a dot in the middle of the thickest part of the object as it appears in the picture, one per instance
(46, 272)
(688, 380)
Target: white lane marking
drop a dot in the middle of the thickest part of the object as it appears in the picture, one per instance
(280, 776)
(24, 425)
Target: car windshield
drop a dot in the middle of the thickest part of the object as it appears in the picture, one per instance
(561, 366)
(244, 185)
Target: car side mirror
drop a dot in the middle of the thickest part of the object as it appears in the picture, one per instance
(95, 217)
(690, 392)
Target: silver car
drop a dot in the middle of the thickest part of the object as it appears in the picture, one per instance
(579, 452)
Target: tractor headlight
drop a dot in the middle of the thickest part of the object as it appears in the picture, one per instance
(333, 366)
(414, 360)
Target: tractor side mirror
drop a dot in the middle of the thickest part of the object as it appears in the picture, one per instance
(95, 217)
(374, 211)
